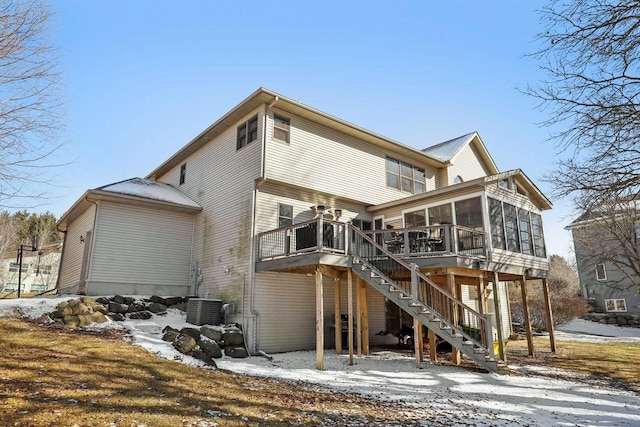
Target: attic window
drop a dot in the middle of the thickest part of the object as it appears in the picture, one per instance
(504, 183)
(281, 127)
(183, 173)
(458, 180)
(247, 132)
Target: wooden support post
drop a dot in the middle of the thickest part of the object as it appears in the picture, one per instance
(417, 341)
(482, 297)
(359, 316)
(432, 346)
(498, 311)
(547, 306)
(451, 284)
(527, 316)
(319, 321)
(350, 314)
(365, 317)
(337, 320)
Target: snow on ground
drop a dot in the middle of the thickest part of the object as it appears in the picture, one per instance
(450, 395)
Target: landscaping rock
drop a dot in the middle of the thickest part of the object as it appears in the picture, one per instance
(212, 332)
(232, 338)
(118, 299)
(136, 306)
(172, 301)
(71, 321)
(236, 352)
(129, 300)
(612, 321)
(192, 332)
(170, 334)
(141, 315)
(97, 317)
(200, 355)
(622, 320)
(184, 344)
(210, 348)
(116, 317)
(156, 307)
(103, 300)
(116, 307)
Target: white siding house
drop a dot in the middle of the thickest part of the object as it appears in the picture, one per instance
(269, 171)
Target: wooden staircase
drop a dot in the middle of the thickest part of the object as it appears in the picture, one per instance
(422, 299)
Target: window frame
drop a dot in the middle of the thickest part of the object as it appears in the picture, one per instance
(183, 173)
(282, 124)
(601, 277)
(281, 217)
(247, 132)
(616, 302)
(15, 267)
(408, 178)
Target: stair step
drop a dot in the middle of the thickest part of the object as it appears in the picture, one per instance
(479, 350)
(468, 343)
(445, 328)
(404, 297)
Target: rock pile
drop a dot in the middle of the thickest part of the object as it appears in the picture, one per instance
(80, 312)
(620, 319)
(206, 343)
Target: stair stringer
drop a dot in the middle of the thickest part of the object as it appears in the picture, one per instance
(426, 315)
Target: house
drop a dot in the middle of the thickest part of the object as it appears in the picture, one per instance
(291, 214)
(606, 241)
(39, 271)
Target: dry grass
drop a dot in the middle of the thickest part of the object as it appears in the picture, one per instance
(613, 364)
(56, 377)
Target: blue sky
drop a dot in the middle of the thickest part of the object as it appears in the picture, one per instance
(142, 78)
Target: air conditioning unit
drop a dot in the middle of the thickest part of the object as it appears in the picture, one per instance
(204, 311)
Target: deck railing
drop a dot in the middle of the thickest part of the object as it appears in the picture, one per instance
(435, 240)
(429, 241)
(310, 236)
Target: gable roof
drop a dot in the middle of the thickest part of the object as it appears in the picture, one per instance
(264, 96)
(147, 189)
(447, 151)
(134, 191)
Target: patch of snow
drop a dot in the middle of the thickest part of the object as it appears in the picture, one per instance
(150, 190)
(453, 394)
(585, 330)
(446, 150)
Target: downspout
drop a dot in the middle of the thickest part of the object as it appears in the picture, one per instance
(93, 238)
(64, 240)
(254, 209)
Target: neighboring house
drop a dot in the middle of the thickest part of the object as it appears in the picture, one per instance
(607, 248)
(279, 209)
(39, 272)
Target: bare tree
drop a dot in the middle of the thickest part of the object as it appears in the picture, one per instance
(591, 56)
(563, 293)
(30, 107)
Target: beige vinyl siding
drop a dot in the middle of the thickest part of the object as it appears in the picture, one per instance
(287, 312)
(270, 194)
(147, 248)
(468, 164)
(327, 161)
(73, 249)
(221, 180)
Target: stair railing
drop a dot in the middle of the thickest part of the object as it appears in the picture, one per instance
(465, 321)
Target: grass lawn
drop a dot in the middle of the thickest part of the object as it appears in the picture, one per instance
(56, 377)
(614, 364)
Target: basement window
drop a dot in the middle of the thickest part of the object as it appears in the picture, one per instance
(615, 304)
